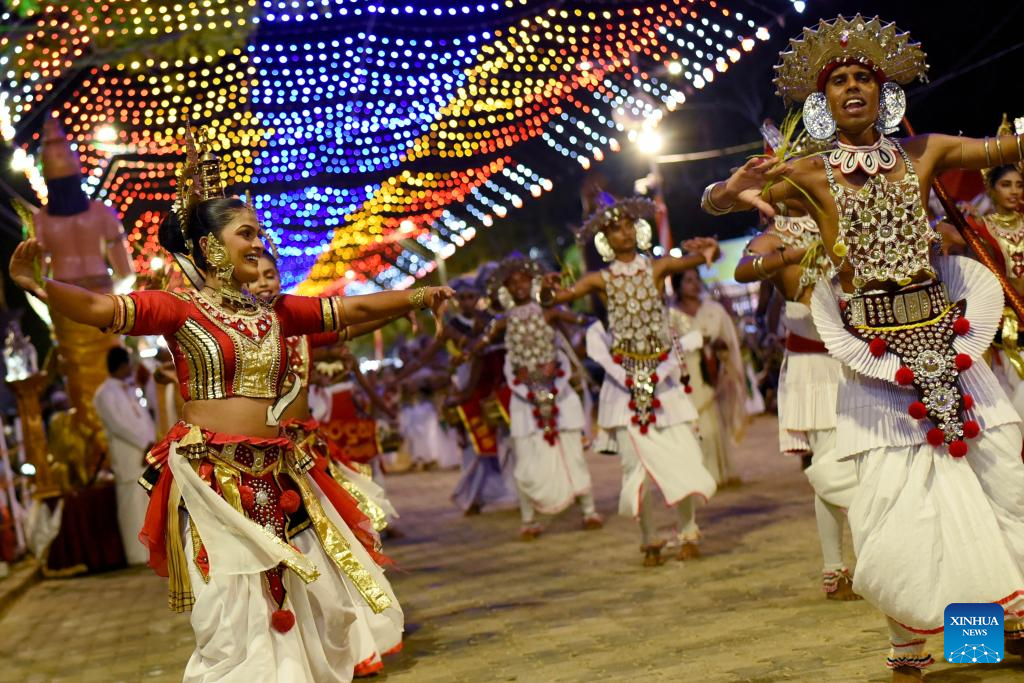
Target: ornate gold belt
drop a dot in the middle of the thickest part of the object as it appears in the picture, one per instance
(911, 305)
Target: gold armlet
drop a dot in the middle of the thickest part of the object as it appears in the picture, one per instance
(124, 314)
(988, 154)
(418, 298)
(759, 270)
(999, 149)
(1020, 150)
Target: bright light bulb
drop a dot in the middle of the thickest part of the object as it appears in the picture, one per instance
(106, 134)
(19, 160)
(406, 226)
(649, 142)
(156, 263)
(675, 68)
(799, 6)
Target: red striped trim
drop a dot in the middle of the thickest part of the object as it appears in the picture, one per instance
(921, 641)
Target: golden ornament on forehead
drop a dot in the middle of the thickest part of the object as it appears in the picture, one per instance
(857, 40)
(199, 176)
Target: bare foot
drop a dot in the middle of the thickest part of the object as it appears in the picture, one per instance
(688, 551)
(472, 510)
(593, 522)
(530, 532)
(652, 554)
(906, 674)
(844, 589)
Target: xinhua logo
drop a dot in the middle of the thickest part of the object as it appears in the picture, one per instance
(974, 633)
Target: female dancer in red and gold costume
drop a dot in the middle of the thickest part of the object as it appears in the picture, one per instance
(374, 634)
(267, 540)
(1003, 232)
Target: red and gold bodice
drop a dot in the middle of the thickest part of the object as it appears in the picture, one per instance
(220, 353)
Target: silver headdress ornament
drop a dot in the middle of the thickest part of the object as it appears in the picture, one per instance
(496, 289)
(609, 209)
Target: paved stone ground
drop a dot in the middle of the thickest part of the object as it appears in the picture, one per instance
(482, 606)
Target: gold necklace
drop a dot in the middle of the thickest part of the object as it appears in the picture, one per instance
(1004, 222)
(232, 297)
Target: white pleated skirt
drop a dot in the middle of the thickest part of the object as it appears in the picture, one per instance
(551, 476)
(670, 456)
(930, 529)
(335, 630)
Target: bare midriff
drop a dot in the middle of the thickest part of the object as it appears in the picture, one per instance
(236, 415)
(299, 409)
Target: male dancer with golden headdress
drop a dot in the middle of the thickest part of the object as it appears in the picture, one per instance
(937, 517)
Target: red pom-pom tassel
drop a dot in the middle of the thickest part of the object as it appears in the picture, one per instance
(655, 378)
(918, 410)
(664, 356)
(617, 359)
(635, 419)
(971, 427)
(958, 449)
(643, 429)
(904, 376)
(247, 496)
(877, 347)
(963, 361)
(290, 502)
(688, 389)
(282, 620)
(968, 401)
(629, 381)
(936, 436)
(656, 403)
(962, 326)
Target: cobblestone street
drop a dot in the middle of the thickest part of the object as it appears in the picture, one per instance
(573, 606)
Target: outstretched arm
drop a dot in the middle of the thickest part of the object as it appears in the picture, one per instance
(744, 189)
(951, 151)
(554, 293)
(765, 257)
(703, 250)
(78, 304)
(371, 307)
(494, 330)
(354, 331)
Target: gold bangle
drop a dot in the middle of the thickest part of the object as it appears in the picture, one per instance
(1020, 150)
(999, 149)
(988, 155)
(758, 264)
(418, 298)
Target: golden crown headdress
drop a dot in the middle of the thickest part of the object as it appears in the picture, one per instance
(199, 176)
(867, 41)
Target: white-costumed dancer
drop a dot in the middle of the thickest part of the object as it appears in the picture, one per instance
(547, 419)
(721, 402)
(790, 256)
(642, 401)
(938, 515)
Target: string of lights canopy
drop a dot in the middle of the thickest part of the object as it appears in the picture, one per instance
(374, 135)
